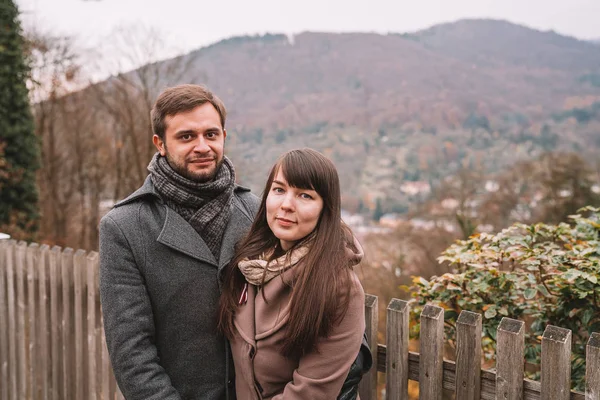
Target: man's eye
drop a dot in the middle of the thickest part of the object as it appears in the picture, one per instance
(186, 137)
(211, 135)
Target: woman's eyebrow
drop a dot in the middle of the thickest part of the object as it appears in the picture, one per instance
(278, 182)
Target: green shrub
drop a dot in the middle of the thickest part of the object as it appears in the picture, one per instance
(542, 274)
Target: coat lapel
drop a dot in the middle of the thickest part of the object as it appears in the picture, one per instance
(179, 235)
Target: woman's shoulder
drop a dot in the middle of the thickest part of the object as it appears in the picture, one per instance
(356, 288)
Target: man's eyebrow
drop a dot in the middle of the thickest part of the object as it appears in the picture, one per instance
(185, 132)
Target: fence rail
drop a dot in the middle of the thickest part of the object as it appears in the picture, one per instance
(52, 343)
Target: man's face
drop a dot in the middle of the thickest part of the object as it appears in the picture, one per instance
(194, 143)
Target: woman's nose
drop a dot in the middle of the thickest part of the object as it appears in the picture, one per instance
(287, 203)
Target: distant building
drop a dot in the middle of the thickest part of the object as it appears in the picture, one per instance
(353, 220)
(415, 188)
(492, 186)
(450, 204)
(391, 220)
(429, 224)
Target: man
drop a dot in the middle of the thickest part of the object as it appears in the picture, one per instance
(161, 253)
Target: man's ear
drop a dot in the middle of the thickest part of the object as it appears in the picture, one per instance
(224, 133)
(160, 145)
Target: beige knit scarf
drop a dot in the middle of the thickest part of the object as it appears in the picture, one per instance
(254, 270)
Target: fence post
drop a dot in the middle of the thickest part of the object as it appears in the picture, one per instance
(431, 360)
(556, 364)
(21, 311)
(78, 268)
(44, 357)
(468, 356)
(32, 262)
(91, 284)
(396, 387)
(368, 385)
(592, 368)
(106, 371)
(67, 324)
(3, 320)
(12, 320)
(55, 324)
(510, 359)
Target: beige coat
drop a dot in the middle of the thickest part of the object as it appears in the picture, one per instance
(262, 372)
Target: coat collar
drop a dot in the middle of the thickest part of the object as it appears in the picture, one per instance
(179, 235)
(147, 189)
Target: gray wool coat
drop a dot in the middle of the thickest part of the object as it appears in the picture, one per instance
(159, 289)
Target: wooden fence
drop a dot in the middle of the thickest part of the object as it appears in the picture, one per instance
(465, 378)
(51, 337)
(52, 343)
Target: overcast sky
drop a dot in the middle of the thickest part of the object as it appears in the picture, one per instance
(190, 24)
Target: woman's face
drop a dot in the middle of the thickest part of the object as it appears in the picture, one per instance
(292, 213)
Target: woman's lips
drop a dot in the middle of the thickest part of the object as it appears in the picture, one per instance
(284, 222)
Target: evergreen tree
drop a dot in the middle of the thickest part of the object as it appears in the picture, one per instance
(18, 144)
(378, 213)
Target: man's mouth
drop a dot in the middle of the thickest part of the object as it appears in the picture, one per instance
(202, 161)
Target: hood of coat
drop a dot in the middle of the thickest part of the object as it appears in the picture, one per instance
(354, 252)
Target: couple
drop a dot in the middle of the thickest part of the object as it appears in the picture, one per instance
(211, 293)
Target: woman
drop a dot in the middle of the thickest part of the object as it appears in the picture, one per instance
(291, 306)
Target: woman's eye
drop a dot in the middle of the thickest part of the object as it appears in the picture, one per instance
(306, 196)
(278, 190)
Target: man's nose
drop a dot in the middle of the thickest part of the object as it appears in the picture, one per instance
(201, 146)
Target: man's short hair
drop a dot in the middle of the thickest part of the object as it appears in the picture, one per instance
(179, 99)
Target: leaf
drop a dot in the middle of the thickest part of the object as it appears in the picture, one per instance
(530, 293)
(542, 289)
(405, 288)
(587, 316)
(490, 312)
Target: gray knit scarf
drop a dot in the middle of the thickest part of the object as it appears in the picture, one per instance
(206, 206)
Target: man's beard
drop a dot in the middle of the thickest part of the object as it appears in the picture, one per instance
(198, 177)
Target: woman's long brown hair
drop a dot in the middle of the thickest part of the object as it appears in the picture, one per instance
(320, 291)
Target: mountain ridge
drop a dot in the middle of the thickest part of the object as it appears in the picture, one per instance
(388, 108)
